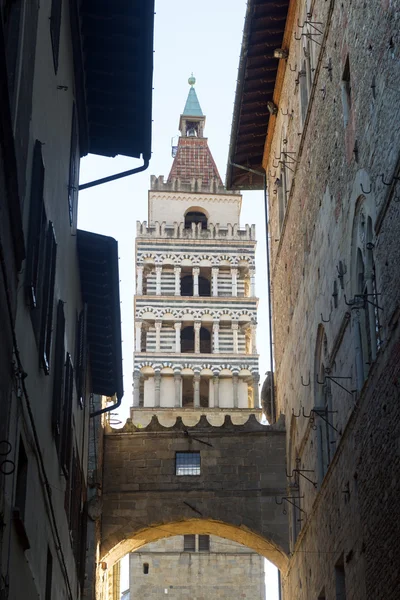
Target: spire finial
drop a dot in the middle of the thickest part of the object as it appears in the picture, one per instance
(192, 80)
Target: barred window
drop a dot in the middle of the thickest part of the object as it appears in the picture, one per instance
(187, 463)
(189, 543)
(204, 543)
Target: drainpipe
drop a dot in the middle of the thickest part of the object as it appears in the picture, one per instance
(264, 176)
(85, 186)
(107, 409)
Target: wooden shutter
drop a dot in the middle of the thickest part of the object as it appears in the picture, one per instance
(37, 227)
(58, 387)
(81, 356)
(66, 437)
(48, 298)
(73, 169)
(55, 28)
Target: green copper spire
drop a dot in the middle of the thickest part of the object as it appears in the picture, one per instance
(192, 106)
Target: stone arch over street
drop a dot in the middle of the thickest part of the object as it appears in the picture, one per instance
(242, 475)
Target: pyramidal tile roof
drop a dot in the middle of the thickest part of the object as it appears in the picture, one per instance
(194, 160)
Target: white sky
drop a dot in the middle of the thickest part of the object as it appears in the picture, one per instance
(203, 37)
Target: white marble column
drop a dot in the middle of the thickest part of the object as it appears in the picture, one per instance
(253, 328)
(215, 337)
(197, 327)
(177, 273)
(234, 273)
(158, 326)
(136, 388)
(216, 391)
(256, 393)
(252, 283)
(196, 384)
(214, 278)
(178, 327)
(177, 381)
(235, 383)
(138, 337)
(157, 388)
(139, 280)
(235, 333)
(158, 280)
(195, 273)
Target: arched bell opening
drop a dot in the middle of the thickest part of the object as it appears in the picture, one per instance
(195, 216)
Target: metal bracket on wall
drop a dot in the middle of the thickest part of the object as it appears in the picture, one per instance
(310, 35)
(361, 300)
(289, 500)
(333, 379)
(301, 473)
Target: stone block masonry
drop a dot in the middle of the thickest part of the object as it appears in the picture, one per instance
(241, 473)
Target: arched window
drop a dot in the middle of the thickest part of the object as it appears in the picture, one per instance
(323, 407)
(204, 286)
(365, 311)
(187, 339)
(195, 216)
(205, 341)
(187, 285)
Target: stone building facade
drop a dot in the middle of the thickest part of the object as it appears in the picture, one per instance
(195, 345)
(199, 567)
(330, 150)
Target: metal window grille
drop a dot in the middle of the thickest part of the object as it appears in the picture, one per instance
(189, 543)
(204, 543)
(187, 463)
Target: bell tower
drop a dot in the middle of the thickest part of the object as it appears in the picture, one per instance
(195, 303)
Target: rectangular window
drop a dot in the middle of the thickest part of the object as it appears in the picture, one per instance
(340, 579)
(346, 92)
(204, 543)
(187, 463)
(37, 231)
(58, 387)
(48, 298)
(73, 171)
(189, 543)
(49, 575)
(55, 28)
(66, 433)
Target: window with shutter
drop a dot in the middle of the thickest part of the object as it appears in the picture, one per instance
(55, 27)
(189, 543)
(48, 298)
(66, 432)
(81, 356)
(204, 543)
(58, 387)
(36, 233)
(73, 171)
